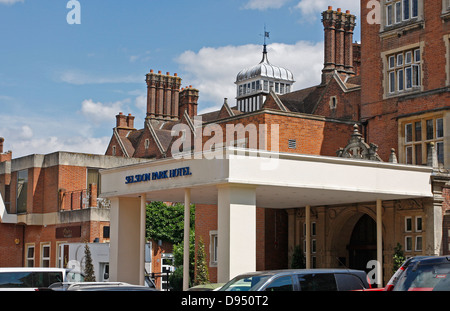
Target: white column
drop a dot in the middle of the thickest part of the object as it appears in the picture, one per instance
(187, 217)
(308, 236)
(125, 242)
(142, 240)
(236, 231)
(379, 243)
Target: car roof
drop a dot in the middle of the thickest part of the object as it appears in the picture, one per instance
(299, 271)
(31, 269)
(431, 259)
(117, 287)
(86, 284)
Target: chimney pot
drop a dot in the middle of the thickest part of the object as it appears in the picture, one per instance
(175, 74)
(339, 10)
(330, 8)
(159, 71)
(151, 70)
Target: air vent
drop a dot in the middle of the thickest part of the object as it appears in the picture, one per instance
(292, 144)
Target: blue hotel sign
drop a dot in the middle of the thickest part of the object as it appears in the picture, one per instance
(157, 175)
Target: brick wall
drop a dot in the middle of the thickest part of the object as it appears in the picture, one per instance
(381, 111)
(11, 244)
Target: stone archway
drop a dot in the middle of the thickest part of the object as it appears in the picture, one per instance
(362, 246)
(348, 246)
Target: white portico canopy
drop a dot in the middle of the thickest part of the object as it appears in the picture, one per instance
(238, 184)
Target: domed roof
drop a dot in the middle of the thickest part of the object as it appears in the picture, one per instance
(265, 69)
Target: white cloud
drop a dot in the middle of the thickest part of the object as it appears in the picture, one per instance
(144, 57)
(311, 9)
(26, 135)
(100, 112)
(80, 78)
(10, 2)
(141, 102)
(264, 4)
(213, 70)
(26, 132)
(46, 145)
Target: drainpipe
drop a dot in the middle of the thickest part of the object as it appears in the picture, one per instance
(187, 220)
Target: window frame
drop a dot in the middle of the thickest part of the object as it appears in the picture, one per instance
(213, 248)
(401, 12)
(28, 259)
(432, 130)
(45, 259)
(417, 227)
(417, 243)
(408, 243)
(403, 71)
(408, 223)
(22, 196)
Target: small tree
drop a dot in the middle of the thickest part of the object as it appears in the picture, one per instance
(298, 259)
(176, 278)
(202, 274)
(399, 257)
(89, 275)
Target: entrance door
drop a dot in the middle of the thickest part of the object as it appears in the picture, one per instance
(363, 243)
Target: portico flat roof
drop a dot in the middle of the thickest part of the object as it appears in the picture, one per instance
(281, 180)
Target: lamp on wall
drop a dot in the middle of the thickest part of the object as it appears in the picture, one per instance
(17, 241)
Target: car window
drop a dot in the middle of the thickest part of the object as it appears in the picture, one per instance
(348, 282)
(317, 282)
(245, 283)
(29, 279)
(281, 284)
(425, 277)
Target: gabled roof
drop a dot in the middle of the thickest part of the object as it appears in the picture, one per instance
(304, 101)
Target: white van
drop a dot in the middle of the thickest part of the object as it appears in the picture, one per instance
(23, 279)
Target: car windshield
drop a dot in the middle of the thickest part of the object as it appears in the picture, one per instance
(425, 277)
(245, 283)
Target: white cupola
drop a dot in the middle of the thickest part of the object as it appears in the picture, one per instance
(254, 83)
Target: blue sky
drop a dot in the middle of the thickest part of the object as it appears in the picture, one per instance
(61, 85)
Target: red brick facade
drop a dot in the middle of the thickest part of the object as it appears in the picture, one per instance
(59, 206)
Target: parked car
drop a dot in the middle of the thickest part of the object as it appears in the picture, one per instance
(299, 280)
(97, 286)
(422, 273)
(23, 279)
(206, 287)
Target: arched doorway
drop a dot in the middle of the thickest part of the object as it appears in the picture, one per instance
(363, 243)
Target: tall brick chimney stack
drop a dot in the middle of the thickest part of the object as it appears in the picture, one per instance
(338, 31)
(189, 101)
(4, 156)
(162, 95)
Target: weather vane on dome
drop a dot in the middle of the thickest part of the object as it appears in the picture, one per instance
(266, 36)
